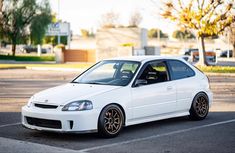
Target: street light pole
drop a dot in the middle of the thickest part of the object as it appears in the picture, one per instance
(58, 40)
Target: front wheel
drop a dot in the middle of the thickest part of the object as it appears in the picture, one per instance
(200, 107)
(110, 121)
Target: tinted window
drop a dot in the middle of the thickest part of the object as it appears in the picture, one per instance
(154, 72)
(180, 70)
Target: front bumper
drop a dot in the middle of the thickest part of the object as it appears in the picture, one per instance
(77, 121)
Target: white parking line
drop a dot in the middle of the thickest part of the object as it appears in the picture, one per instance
(18, 146)
(59, 149)
(12, 124)
(156, 136)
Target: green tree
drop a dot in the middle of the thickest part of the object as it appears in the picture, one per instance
(206, 17)
(39, 25)
(19, 15)
(153, 33)
(183, 34)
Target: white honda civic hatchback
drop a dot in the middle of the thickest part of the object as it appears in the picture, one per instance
(121, 92)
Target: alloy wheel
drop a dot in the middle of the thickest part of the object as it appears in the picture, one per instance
(201, 106)
(113, 120)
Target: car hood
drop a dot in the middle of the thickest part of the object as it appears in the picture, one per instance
(69, 92)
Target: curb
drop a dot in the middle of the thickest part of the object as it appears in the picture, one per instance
(220, 74)
(54, 69)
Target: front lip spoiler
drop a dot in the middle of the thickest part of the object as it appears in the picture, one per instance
(63, 132)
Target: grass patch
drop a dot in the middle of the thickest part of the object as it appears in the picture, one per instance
(28, 58)
(218, 69)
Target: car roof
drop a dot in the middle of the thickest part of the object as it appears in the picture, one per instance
(146, 58)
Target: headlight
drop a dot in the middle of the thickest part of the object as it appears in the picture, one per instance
(78, 106)
(30, 101)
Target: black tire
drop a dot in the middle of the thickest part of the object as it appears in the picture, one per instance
(110, 121)
(200, 107)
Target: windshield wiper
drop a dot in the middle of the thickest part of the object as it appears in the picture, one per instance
(102, 83)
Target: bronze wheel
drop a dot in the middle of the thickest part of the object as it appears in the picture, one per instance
(200, 107)
(110, 121)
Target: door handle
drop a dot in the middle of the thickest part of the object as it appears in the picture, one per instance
(169, 88)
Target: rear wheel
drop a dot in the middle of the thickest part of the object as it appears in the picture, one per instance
(110, 121)
(200, 107)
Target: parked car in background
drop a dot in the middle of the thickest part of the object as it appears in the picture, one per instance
(121, 92)
(188, 51)
(217, 51)
(225, 53)
(210, 56)
(32, 49)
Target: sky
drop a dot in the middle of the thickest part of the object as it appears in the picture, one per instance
(87, 14)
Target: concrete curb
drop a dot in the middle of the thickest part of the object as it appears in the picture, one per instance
(221, 74)
(55, 69)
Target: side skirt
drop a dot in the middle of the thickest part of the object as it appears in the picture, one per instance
(156, 118)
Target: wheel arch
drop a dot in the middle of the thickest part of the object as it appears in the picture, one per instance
(201, 92)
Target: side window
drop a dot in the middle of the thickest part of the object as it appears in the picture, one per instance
(155, 72)
(180, 70)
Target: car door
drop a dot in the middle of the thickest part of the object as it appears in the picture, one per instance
(183, 77)
(157, 95)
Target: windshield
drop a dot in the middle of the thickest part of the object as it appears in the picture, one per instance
(114, 72)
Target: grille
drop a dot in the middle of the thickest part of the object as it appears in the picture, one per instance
(55, 124)
(46, 106)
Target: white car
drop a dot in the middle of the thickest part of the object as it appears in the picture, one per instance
(121, 92)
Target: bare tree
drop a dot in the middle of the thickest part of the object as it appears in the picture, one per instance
(135, 19)
(110, 20)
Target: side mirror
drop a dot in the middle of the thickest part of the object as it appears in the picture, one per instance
(140, 82)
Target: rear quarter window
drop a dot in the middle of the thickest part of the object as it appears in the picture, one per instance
(180, 70)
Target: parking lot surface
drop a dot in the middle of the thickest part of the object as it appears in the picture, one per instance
(178, 135)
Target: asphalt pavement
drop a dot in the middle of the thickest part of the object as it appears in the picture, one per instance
(215, 134)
